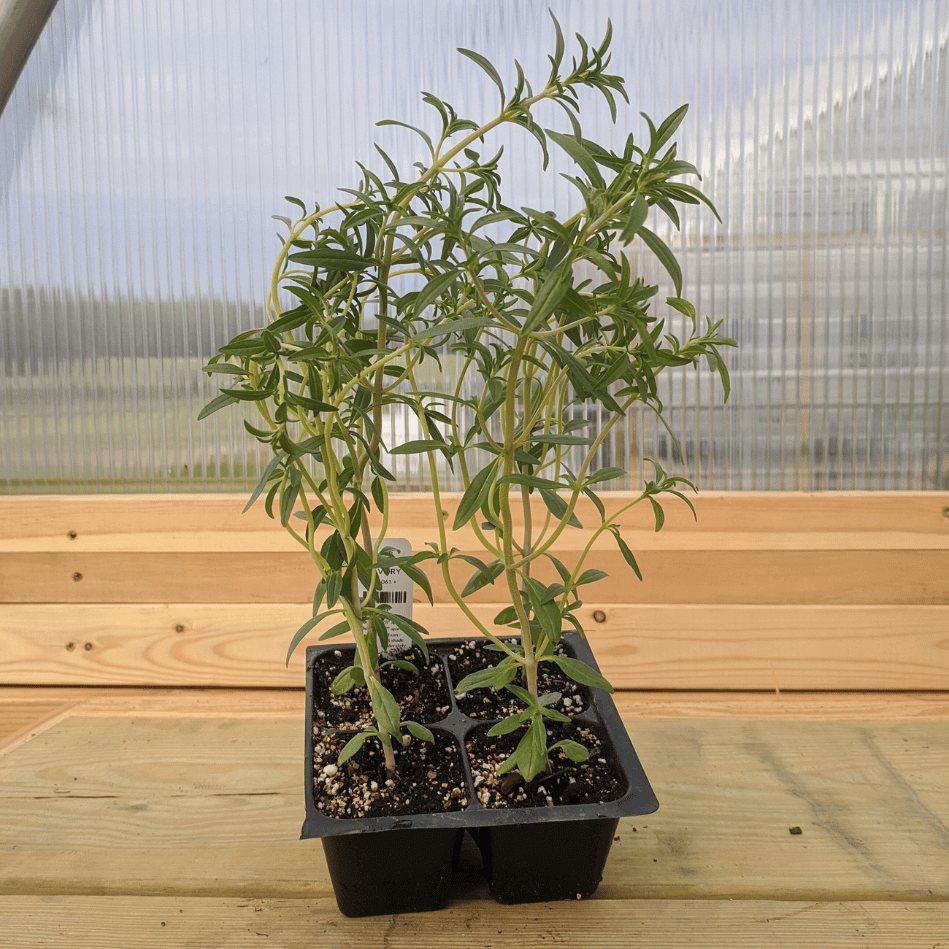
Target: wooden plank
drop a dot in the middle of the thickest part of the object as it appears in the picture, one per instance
(273, 542)
(184, 806)
(26, 717)
(637, 647)
(785, 706)
(771, 647)
(287, 704)
(27, 922)
(56, 517)
(804, 576)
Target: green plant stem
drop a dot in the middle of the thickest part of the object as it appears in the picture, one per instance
(507, 522)
(443, 547)
(542, 547)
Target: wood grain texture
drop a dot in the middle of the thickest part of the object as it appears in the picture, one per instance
(637, 647)
(24, 718)
(189, 805)
(767, 591)
(287, 704)
(807, 576)
(185, 923)
(53, 518)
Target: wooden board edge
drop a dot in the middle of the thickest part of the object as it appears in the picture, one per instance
(175, 922)
(633, 706)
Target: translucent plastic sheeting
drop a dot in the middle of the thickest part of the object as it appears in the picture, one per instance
(147, 144)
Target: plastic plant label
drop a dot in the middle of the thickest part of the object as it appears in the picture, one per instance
(396, 593)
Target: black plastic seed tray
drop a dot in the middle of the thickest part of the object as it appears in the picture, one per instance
(405, 864)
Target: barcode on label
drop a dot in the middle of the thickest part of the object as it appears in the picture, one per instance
(393, 596)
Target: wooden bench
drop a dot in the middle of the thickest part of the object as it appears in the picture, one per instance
(784, 666)
(763, 592)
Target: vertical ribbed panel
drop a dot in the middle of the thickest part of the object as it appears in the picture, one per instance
(147, 145)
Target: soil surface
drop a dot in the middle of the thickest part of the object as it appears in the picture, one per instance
(587, 782)
(472, 656)
(423, 697)
(430, 778)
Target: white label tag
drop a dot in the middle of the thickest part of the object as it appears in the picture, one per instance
(395, 591)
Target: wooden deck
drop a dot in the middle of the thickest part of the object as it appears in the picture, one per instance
(784, 665)
(138, 818)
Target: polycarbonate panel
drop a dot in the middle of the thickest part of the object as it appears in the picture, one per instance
(147, 145)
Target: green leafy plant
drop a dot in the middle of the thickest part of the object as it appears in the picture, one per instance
(536, 316)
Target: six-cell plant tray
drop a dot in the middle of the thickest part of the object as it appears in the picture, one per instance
(531, 853)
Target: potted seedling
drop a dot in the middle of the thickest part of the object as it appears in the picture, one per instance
(534, 317)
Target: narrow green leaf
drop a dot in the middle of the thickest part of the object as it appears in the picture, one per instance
(572, 749)
(679, 494)
(301, 633)
(558, 507)
(581, 672)
(605, 474)
(487, 67)
(635, 219)
(529, 481)
(561, 568)
(420, 132)
(596, 501)
(483, 575)
(494, 677)
(248, 395)
(545, 438)
(227, 368)
(524, 696)
(420, 580)
(580, 154)
(338, 630)
(419, 731)
(334, 586)
(668, 128)
(348, 679)
(353, 745)
(413, 630)
(432, 291)
(385, 708)
(329, 258)
(660, 514)
(550, 293)
(683, 306)
(508, 764)
(719, 365)
(664, 256)
(627, 554)
(475, 494)
(262, 483)
(510, 724)
(377, 488)
(215, 404)
(289, 496)
(545, 610)
(553, 715)
(451, 327)
(417, 447)
(533, 759)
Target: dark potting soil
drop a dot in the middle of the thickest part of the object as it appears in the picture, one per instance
(593, 781)
(472, 656)
(423, 697)
(430, 778)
